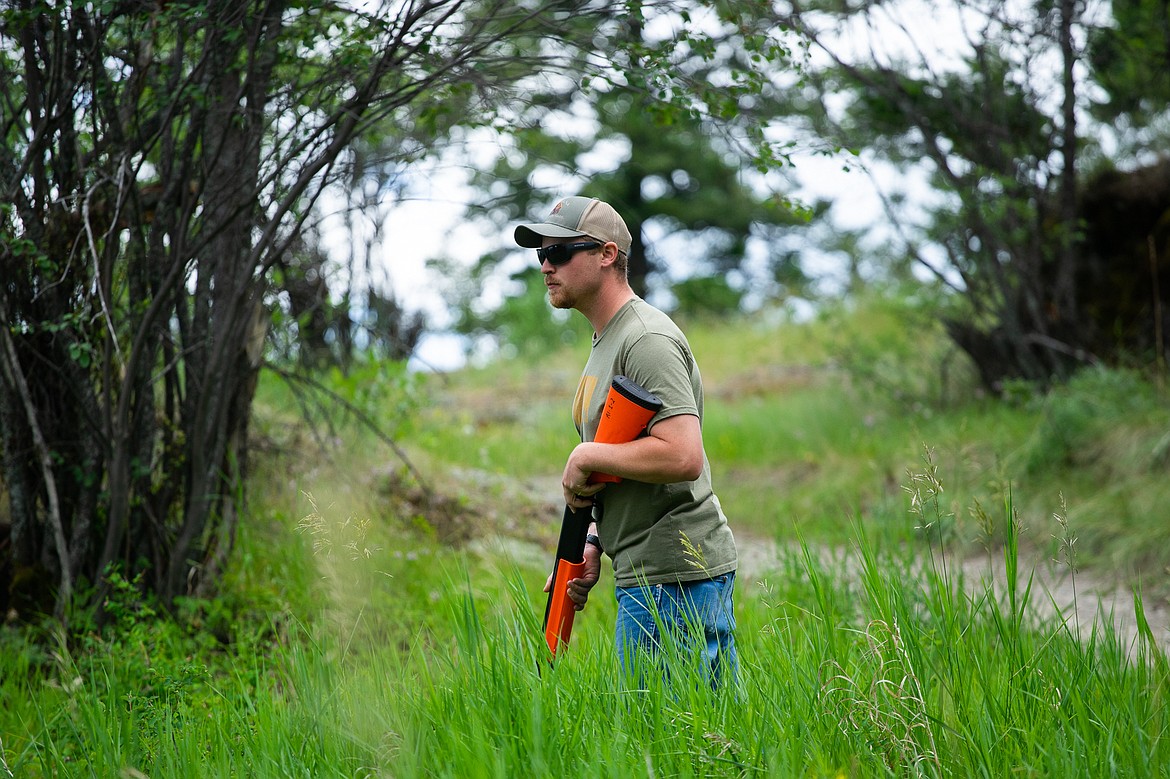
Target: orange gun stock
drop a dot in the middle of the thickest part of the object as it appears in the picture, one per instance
(628, 409)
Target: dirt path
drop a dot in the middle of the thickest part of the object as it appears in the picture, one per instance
(1085, 600)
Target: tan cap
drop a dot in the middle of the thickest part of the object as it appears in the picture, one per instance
(575, 216)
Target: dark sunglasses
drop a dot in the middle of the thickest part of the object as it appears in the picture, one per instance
(560, 253)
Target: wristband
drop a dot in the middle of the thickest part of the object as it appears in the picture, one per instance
(590, 538)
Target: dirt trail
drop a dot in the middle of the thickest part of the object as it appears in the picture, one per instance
(1083, 600)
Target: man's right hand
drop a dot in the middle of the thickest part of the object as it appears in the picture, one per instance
(578, 589)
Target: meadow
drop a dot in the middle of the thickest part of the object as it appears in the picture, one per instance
(382, 615)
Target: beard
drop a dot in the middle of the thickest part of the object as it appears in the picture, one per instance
(558, 297)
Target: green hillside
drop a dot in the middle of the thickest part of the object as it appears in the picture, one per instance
(813, 429)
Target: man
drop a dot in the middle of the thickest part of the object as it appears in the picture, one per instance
(674, 556)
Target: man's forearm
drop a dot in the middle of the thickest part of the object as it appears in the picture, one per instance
(671, 452)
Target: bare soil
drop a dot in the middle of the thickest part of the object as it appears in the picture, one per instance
(1085, 600)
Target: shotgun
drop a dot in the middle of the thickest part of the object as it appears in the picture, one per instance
(628, 409)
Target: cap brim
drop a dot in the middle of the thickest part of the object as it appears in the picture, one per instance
(531, 236)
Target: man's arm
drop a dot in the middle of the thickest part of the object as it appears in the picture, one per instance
(671, 452)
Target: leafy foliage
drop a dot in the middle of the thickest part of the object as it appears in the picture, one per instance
(158, 166)
(999, 120)
(1129, 58)
(671, 131)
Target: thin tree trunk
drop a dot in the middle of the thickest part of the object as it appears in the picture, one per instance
(1065, 292)
(13, 374)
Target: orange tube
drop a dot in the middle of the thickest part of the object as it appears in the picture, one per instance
(628, 409)
(558, 623)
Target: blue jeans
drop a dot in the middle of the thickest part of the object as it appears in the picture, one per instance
(692, 621)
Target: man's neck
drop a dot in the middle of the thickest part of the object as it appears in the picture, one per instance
(610, 300)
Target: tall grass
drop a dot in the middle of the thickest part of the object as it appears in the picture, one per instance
(871, 665)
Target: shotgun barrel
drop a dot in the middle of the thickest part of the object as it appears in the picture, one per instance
(628, 409)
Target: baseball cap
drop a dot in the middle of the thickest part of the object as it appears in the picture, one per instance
(575, 216)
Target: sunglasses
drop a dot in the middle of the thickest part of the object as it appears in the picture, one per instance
(560, 253)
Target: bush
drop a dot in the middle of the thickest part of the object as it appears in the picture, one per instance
(1078, 420)
(893, 346)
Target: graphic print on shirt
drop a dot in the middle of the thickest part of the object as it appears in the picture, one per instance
(581, 402)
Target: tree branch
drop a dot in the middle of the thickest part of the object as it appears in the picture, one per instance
(293, 379)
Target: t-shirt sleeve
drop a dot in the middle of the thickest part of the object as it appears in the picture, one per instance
(664, 366)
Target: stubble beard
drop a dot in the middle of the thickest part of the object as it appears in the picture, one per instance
(559, 298)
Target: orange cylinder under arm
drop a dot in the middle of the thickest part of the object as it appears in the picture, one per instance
(628, 409)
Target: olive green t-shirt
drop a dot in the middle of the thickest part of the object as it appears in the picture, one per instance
(655, 533)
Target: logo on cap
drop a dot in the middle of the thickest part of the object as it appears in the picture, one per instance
(557, 208)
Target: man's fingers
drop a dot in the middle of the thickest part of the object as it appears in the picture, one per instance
(579, 590)
(579, 497)
(578, 502)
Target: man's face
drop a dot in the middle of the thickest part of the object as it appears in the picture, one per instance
(568, 280)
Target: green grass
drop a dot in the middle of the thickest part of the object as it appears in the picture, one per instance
(371, 625)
